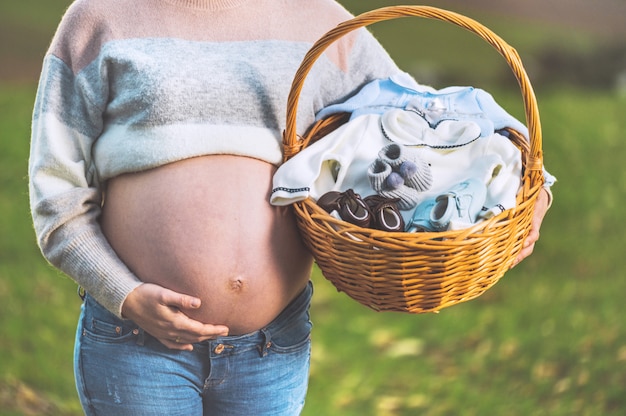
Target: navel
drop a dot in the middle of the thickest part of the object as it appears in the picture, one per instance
(236, 284)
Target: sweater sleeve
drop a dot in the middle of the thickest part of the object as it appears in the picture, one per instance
(65, 197)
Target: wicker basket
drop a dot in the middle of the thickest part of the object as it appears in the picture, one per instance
(426, 271)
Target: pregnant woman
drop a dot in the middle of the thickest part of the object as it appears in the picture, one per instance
(156, 133)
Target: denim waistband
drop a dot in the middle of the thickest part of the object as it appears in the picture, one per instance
(262, 339)
(221, 346)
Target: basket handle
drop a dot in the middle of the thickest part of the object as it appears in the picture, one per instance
(292, 144)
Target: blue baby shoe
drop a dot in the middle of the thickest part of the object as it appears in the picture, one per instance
(459, 207)
(455, 209)
(420, 221)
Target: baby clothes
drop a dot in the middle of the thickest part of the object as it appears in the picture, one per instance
(401, 91)
(455, 151)
(451, 103)
(337, 162)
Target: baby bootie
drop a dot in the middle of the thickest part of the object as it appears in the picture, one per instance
(385, 214)
(455, 209)
(394, 155)
(416, 174)
(459, 207)
(379, 175)
(391, 185)
(420, 220)
(349, 205)
(413, 169)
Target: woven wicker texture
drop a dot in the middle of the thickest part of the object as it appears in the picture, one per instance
(425, 271)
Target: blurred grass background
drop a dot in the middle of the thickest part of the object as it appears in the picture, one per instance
(549, 339)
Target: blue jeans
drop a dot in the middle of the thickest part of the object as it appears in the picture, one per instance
(121, 370)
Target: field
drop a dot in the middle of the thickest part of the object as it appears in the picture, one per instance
(548, 339)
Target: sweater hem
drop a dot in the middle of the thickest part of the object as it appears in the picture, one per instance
(167, 144)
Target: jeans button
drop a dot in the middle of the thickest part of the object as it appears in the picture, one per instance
(219, 349)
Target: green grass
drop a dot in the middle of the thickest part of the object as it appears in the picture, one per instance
(547, 340)
(37, 306)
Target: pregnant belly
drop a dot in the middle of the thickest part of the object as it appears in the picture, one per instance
(204, 227)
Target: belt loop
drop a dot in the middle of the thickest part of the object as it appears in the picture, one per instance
(81, 293)
(266, 343)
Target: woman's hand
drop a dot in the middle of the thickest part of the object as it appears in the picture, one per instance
(541, 207)
(161, 313)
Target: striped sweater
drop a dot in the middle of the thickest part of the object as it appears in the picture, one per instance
(129, 85)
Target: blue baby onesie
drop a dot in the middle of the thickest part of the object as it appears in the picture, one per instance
(435, 106)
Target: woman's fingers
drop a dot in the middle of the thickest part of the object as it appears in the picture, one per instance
(160, 312)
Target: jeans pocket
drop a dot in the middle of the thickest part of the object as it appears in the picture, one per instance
(102, 326)
(294, 335)
(286, 348)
